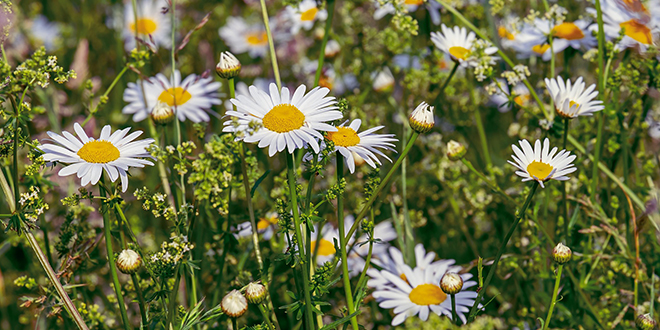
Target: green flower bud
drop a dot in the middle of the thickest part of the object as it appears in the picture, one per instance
(255, 292)
(455, 150)
(562, 254)
(128, 261)
(645, 322)
(228, 67)
(451, 283)
(421, 119)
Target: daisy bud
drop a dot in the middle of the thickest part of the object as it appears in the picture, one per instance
(383, 81)
(421, 119)
(455, 150)
(234, 304)
(645, 322)
(128, 261)
(229, 67)
(332, 48)
(255, 292)
(451, 283)
(162, 113)
(562, 254)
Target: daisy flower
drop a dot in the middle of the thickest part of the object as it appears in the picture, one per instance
(153, 26)
(501, 98)
(420, 294)
(542, 164)
(640, 27)
(323, 245)
(241, 37)
(88, 157)
(266, 226)
(305, 15)
(383, 231)
(347, 141)
(287, 121)
(572, 100)
(191, 98)
(574, 34)
(392, 261)
(457, 42)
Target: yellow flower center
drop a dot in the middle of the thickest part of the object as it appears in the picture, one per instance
(503, 33)
(344, 137)
(539, 170)
(144, 26)
(540, 49)
(309, 14)
(174, 96)
(325, 248)
(459, 52)
(414, 2)
(573, 103)
(266, 222)
(638, 31)
(257, 39)
(521, 99)
(568, 31)
(283, 118)
(99, 152)
(427, 294)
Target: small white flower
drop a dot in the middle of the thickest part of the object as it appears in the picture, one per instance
(458, 43)
(88, 158)
(641, 24)
(305, 15)
(572, 100)
(243, 38)
(542, 164)
(153, 26)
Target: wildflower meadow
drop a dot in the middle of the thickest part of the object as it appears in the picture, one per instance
(329, 164)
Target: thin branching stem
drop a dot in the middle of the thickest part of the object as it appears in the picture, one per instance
(554, 297)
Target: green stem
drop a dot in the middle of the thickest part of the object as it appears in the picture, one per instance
(451, 75)
(482, 133)
(386, 180)
(141, 302)
(271, 45)
(234, 323)
(162, 171)
(309, 317)
(326, 36)
(362, 281)
(565, 185)
(492, 185)
(502, 54)
(173, 294)
(111, 260)
(554, 297)
(454, 317)
(342, 244)
(500, 251)
(264, 314)
(601, 88)
(104, 96)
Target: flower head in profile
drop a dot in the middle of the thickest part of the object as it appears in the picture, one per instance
(640, 24)
(542, 164)
(420, 294)
(305, 15)
(152, 26)
(383, 80)
(286, 121)
(191, 98)
(365, 144)
(458, 43)
(422, 118)
(88, 157)
(572, 100)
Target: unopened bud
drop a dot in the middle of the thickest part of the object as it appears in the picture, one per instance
(234, 304)
(421, 119)
(451, 283)
(228, 67)
(128, 261)
(455, 150)
(162, 114)
(255, 292)
(383, 81)
(645, 322)
(332, 48)
(562, 254)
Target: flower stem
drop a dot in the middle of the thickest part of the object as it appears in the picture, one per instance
(565, 183)
(105, 95)
(342, 244)
(264, 314)
(481, 131)
(601, 88)
(309, 317)
(451, 75)
(111, 260)
(454, 317)
(326, 36)
(386, 180)
(492, 185)
(234, 323)
(500, 251)
(554, 296)
(271, 45)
